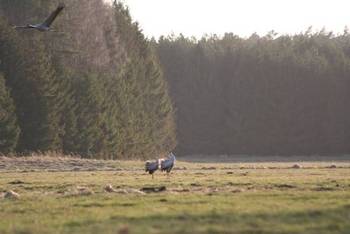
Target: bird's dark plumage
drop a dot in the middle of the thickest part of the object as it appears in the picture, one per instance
(168, 163)
(45, 26)
(151, 166)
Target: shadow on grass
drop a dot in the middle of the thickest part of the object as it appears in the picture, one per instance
(313, 221)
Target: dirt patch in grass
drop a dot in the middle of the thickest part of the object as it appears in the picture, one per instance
(208, 168)
(324, 189)
(79, 191)
(15, 182)
(179, 190)
(156, 189)
(110, 189)
(284, 186)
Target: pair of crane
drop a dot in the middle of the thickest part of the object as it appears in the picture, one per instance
(163, 164)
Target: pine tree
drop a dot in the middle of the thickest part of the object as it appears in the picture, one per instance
(32, 80)
(9, 130)
(90, 115)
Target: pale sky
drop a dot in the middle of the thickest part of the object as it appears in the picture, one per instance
(242, 17)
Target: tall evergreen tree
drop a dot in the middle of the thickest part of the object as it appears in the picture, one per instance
(90, 115)
(29, 74)
(9, 130)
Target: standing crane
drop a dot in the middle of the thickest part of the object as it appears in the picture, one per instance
(168, 163)
(152, 166)
(46, 25)
(163, 164)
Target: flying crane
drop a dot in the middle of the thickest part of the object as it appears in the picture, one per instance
(46, 25)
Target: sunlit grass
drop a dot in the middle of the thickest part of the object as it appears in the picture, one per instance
(200, 198)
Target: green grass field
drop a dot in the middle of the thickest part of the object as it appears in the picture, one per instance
(68, 196)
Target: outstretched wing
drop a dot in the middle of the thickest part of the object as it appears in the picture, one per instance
(53, 15)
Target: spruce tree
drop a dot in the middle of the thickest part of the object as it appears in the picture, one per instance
(89, 114)
(31, 78)
(9, 130)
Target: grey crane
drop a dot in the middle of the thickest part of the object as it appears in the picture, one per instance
(46, 25)
(168, 163)
(152, 166)
(164, 164)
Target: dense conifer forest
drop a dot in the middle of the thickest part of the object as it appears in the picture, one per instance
(269, 95)
(94, 87)
(99, 88)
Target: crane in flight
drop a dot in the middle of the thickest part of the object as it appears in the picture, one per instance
(46, 25)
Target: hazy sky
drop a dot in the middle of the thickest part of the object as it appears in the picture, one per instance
(242, 17)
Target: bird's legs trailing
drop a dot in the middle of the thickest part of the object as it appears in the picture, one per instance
(56, 31)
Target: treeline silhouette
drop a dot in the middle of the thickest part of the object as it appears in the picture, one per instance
(94, 87)
(270, 95)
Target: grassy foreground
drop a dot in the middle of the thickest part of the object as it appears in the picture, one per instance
(199, 198)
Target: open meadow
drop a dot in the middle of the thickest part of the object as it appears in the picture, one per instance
(67, 195)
